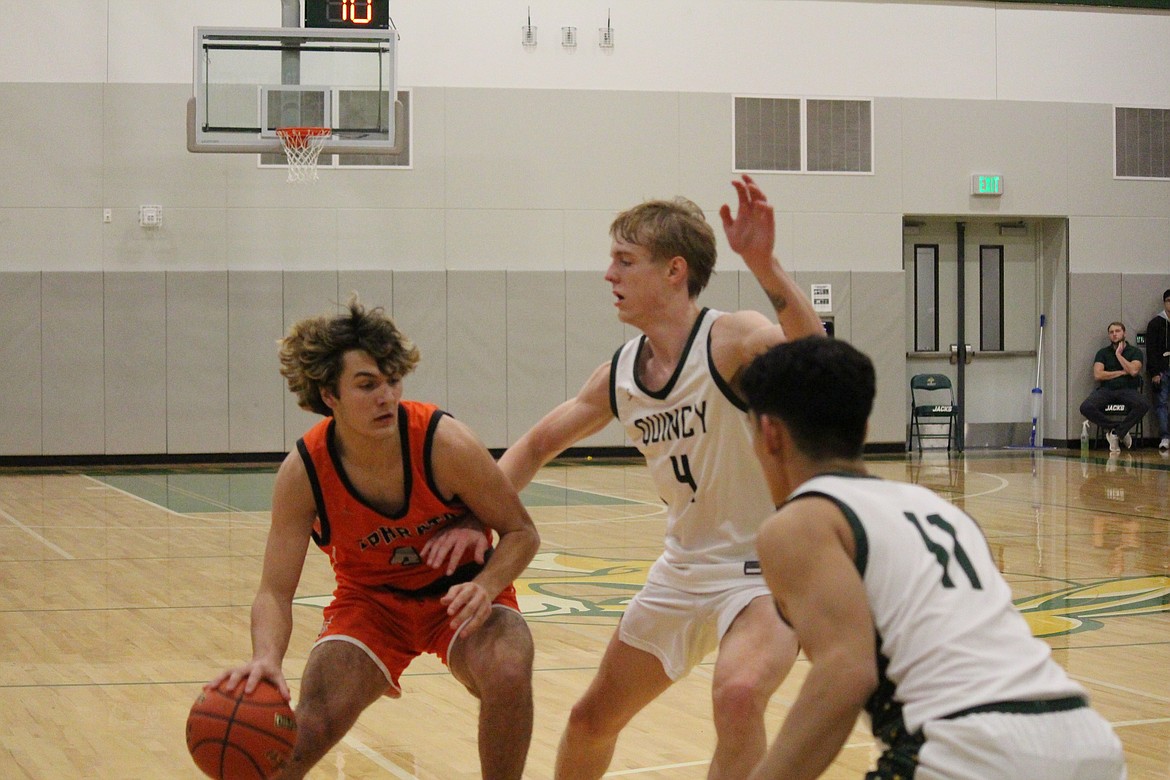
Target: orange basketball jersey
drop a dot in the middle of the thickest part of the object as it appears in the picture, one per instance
(366, 547)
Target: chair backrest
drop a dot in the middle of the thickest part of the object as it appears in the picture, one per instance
(929, 383)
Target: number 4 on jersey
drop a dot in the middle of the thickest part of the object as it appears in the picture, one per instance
(682, 471)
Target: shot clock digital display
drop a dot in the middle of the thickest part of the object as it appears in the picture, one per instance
(348, 14)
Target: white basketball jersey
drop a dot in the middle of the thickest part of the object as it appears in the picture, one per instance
(696, 437)
(949, 637)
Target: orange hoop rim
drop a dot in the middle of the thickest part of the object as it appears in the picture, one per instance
(298, 137)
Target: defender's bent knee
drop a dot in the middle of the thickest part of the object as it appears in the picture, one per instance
(498, 659)
(739, 700)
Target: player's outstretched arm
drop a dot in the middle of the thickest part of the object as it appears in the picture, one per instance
(293, 514)
(812, 575)
(583, 415)
(751, 233)
(465, 468)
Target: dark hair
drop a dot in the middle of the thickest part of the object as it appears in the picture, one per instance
(671, 228)
(1166, 295)
(821, 388)
(312, 353)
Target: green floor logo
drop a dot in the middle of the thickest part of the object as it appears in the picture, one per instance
(1082, 607)
(579, 586)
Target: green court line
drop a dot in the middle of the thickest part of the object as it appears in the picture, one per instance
(198, 493)
(536, 494)
(252, 492)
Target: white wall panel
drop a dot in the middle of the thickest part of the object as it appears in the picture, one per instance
(72, 364)
(558, 150)
(477, 352)
(188, 239)
(535, 347)
(292, 239)
(197, 362)
(256, 390)
(306, 294)
(51, 239)
(1101, 55)
(592, 334)
(135, 348)
(145, 153)
(515, 239)
(878, 311)
(396, 238)
(944, 143)
(62, 42)
(1121, 244)
(20, 355)
(52, 151)
(420, 312)
(843, 242)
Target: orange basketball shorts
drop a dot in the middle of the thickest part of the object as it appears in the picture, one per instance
(394, 629)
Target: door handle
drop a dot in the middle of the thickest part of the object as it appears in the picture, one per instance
(968, 354)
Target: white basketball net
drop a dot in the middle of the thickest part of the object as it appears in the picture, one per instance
(302, 147)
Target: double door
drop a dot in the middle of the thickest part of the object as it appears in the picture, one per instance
(976, 288)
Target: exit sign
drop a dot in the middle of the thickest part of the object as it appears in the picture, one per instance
(986, 184)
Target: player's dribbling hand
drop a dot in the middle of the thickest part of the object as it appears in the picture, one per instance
(447, 547)
(468, 605)
(252, 672)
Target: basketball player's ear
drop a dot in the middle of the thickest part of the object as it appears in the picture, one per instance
(328, 397)
(676, 269)
(772, 431)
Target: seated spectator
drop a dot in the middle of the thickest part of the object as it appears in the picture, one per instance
(1118, 368)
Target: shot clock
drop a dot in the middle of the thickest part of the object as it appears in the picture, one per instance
(348, 14)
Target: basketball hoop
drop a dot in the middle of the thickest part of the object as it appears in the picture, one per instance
(302, 146)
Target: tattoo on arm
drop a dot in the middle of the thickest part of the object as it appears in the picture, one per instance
(779, 302)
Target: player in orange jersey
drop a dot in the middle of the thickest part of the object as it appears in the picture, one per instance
(371, 485)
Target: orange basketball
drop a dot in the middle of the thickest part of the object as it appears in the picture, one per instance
(233, 736)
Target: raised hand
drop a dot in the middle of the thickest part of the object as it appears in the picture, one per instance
(752, 232)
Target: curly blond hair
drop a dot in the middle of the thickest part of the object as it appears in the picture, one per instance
(312, 353)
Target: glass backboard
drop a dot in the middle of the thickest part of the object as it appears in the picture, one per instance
(250, 81)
